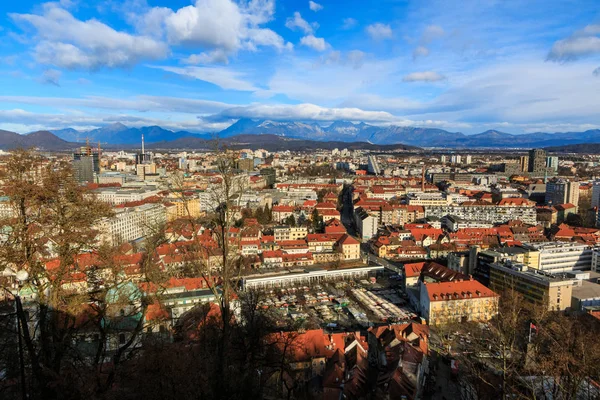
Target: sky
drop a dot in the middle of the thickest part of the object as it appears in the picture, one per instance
(200, 65)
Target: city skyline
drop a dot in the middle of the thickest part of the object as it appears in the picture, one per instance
(201, 65)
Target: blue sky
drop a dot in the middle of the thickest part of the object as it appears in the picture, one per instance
(516, 66)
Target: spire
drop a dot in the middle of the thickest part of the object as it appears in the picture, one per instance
(143, 152)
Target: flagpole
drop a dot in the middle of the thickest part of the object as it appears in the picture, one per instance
(529, 331)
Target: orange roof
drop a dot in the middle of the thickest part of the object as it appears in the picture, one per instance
(348, 240)
(457, 290)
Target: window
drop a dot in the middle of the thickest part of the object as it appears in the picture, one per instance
(121, 338)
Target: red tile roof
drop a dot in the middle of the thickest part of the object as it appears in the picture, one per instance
(457, 290)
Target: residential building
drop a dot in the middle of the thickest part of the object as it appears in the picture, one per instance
(562, 191)
(537, 161)
(373, 165)
(286, 232)
(505, 210)
(350, 248)
(366, 224)
(552, 163)
(85, 166)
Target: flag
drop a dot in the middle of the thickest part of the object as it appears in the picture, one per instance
(532, 326)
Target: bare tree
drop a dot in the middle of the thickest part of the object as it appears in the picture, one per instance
(76, 293)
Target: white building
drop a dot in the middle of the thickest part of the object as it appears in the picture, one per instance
(120, 195)
(366, 224)
(131, 223)
(567, 256)
(506, 210)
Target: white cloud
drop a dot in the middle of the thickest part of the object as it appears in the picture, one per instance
(305, 112)
(67, 42)
(349, 23)
(427, 76)
(329, 81)
(227, 79)
(356, 58)
(51, 77)
(432, 32)
(209, 23)
(314, 6)
(266, 37)
(297, 22)
(211, 57)
(585, 42)
(420, 51)
(22, 121)
(138, 103)
(379, 31)
(151, 22)
(315, 43)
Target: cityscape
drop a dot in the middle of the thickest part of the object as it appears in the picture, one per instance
(176, 223)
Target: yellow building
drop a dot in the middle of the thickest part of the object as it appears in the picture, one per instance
(350, 247)
(458, 301)
(537, 287)
(183, 208)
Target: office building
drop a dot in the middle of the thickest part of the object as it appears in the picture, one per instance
(131, 223)
(537, 286)
(563, 256)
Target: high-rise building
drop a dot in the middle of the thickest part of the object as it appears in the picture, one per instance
(596, 194)
(524, 162)
(561, 191)
(85, 164)
(537, 161)
(455, 159)
(468, 159)
(552, 163)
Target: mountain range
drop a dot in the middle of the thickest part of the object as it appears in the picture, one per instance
(341, 131)
(48, 141)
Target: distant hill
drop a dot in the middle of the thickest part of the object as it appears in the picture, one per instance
(119, 133)
(339, 131)
(588, 148)
(45, 140)
(42, 140)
